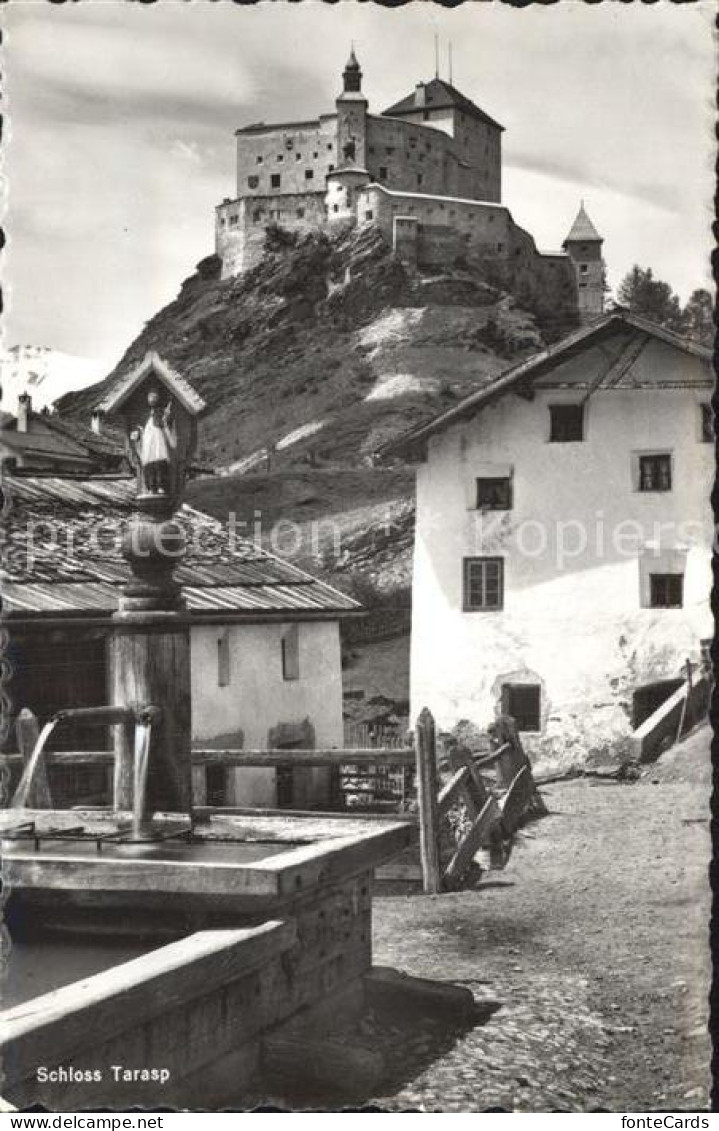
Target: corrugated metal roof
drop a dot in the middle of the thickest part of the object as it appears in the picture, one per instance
(61, 542)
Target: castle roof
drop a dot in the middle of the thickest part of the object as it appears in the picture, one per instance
(582, 228)
(438, 95)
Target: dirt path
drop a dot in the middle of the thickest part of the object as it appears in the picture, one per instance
(594, 938)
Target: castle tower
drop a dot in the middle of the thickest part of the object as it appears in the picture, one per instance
(352, 116)
(584, 247)
(344, 182)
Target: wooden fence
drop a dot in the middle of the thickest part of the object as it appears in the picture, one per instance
(467, 813)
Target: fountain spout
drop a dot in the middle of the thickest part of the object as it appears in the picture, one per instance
(144, 717)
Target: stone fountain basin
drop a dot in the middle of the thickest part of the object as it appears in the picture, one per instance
(289, 904)
(242, 861)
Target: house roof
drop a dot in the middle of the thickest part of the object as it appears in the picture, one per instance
(63, 442)
(153, 363)
(438, 95)
(414, 441)
(62, 557)
(108, 443)
(582, 228)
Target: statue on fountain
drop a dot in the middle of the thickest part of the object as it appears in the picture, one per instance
(153, 450)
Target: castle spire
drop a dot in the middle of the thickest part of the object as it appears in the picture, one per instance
(352, 74)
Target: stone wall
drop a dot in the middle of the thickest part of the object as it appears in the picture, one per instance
(300, 154)
(438, 232)
(476, 146)
(240, 225)
(411, 158)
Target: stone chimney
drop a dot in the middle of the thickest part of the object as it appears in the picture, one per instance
(24, 408)
(420, 94)
(98, 421)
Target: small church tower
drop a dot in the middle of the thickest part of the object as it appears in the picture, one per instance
(584, 247)
(344, 182)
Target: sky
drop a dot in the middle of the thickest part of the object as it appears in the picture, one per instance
(122, 115)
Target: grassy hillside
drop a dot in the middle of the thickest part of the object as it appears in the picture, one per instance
(309, 362)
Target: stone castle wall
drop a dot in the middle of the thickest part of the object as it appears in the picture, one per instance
(240, 225)
(434, 232)
(300, 154)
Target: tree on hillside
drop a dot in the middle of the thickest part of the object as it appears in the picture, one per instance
(655, 300)
(651, 298)
(699, 317)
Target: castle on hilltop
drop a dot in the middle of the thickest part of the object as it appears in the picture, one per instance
(427, 171)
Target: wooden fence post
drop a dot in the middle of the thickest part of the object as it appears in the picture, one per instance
(426, 754)
(27, 732)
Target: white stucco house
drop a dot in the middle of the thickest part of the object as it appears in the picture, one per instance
(562, 553)
(264, 635)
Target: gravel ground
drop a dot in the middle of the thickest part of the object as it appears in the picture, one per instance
(590, 950)
(594, 938)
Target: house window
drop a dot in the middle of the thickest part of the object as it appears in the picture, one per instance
(494, 494)
(666, 590)
(335, 207)
(566, 423)
(419, 180)
(233, 221)
(300, 213)
(315, 155)
(332, 168)
(426, 115)
(389, 149)
(500, 247)
(223, 659)
(523, 701)
(583, 268)
(483, 586)
(309, 174)
(280, 156)
(252, 182)
(257, 216)
(275, 180)
(260, 159)
(291, 653)
(369, 214)
(655, 472)
(707, 424)
(383, 172)
(298, 156)
(329, 144)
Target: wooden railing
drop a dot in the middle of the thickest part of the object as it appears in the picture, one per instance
(490, 815)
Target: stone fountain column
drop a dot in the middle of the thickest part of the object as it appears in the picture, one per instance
(150, 641)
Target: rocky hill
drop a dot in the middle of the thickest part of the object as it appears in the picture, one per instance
(309, 362)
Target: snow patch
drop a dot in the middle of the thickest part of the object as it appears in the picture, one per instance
(391, 328)
(46, 374)
(391, 385)
(299, 434)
